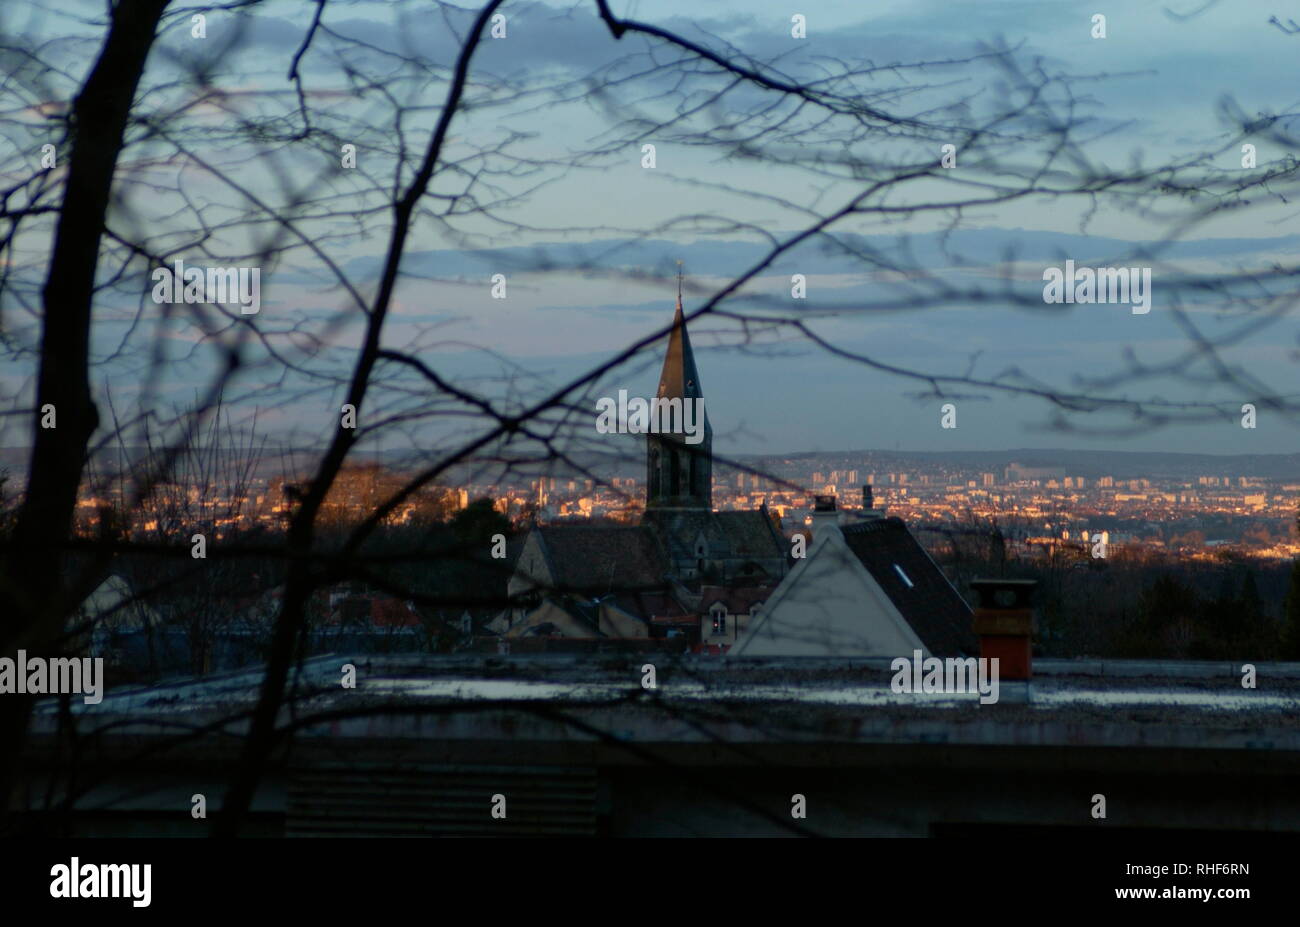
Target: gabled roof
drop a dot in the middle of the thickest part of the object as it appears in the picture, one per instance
(741, 535)
(751, 533)
(545, 621)
(113, 604)
(600, 559)
(914, 583)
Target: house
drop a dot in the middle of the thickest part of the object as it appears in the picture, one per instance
(725, 613)
(112, 608)
(112, 622)
(597, 575)
(572, 619)
(865, 590)
(372, 610)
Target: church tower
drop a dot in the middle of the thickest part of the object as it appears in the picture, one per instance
(679, 475)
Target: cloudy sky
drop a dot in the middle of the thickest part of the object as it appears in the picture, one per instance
(588, 237)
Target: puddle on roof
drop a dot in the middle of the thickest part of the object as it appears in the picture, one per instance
(487, 689)
(1178, 698)
(1044, 696)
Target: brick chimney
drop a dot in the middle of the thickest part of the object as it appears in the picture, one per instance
(1004, 623)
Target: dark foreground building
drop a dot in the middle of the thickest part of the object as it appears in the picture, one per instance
(428, 745)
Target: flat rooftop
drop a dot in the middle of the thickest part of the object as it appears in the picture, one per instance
(575, 698)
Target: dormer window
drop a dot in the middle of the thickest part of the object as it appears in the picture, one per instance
(719, 614)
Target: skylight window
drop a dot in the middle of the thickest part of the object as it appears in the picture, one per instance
(904, 576)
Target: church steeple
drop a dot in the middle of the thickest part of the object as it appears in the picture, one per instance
(680, 475)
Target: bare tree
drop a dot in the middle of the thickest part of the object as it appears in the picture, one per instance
(170, 157)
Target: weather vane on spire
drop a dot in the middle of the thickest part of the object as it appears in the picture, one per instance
(679, 284)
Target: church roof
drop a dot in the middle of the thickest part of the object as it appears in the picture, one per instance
(751, 533)
(747, 534)
(914, 583)
(599, 559)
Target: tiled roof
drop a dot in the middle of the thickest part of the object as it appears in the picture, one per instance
(599, 559)
(914, 583)
(738, 600)
(738, 534)
(676, 620)
(751, 533)
(650, 605)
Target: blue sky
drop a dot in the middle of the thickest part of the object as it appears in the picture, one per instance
(589, 251)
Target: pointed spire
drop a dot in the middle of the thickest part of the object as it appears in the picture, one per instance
(679, 379)
(679, 472)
